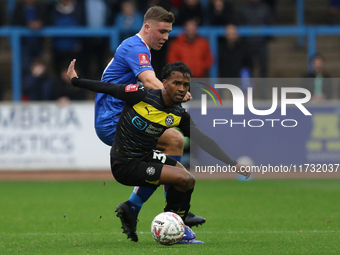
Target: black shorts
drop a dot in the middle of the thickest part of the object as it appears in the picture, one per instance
(143, 172)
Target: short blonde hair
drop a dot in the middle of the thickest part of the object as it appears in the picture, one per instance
(158, 13)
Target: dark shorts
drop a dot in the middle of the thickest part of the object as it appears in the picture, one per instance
(143, 172)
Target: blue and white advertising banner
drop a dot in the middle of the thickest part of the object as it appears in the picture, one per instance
(45, 136)
(293, 129)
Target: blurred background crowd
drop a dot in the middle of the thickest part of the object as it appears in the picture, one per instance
(45, 59)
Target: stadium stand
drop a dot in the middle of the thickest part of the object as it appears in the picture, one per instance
(299, 32)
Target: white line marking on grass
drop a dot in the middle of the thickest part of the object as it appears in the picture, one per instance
(270, 232)
(200, 232)
(58, 234)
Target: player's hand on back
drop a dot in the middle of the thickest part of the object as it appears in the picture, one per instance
(71, 73)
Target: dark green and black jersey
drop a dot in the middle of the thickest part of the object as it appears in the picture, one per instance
(144, 119)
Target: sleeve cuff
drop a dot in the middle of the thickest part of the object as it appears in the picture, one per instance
(74, 81)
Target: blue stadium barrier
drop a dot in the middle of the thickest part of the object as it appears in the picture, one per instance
(212, 33)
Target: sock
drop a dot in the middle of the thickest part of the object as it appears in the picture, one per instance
(174, 200)
(139, 196)
(183, 211)
(166, 187)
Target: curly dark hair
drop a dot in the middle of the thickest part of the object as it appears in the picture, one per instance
(177, 66)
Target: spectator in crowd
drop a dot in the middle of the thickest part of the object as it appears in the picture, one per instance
(1, 89)
(334, 12)
(257, 13)
(233, 54)
(3, 14)
(31, 14)
(65, 92)
(66, 14)
(191, 49)
(129, 20)
(38, 85)
(144, 5)
(97, 15)
(317, 80)
(190, 9)
(272, 5)
(176, 3)
(220, 13)
(114, 9)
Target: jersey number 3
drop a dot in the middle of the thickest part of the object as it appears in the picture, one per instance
(159, 156)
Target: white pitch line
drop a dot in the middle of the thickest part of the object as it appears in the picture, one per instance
(199, 232)
(271, 232)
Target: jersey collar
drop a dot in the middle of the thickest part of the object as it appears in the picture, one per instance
(143, 41)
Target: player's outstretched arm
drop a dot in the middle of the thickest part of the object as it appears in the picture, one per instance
(190, 129)
(120, 91)
(71, 72)
(210, 146)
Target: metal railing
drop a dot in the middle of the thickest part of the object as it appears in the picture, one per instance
(212, 33)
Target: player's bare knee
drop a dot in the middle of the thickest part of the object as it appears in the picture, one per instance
(176, 140)
(186, 182)
(191, 182)
(171, 142)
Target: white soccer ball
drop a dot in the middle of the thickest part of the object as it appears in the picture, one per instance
(167, 228)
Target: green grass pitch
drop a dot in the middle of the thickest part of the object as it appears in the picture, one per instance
(243, 217)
